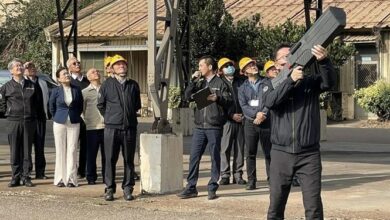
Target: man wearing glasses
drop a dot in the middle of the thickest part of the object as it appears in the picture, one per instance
(79, 80)
(39, 138)
(256, 123)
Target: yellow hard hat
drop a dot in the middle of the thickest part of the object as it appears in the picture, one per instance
(245, 61)
(268, 65)
(223, 61)
(116, 59)
(107, 61)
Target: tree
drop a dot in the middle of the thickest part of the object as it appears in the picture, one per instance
(22, 35)
(209, 26)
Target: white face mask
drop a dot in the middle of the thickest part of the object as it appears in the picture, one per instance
(229, 70)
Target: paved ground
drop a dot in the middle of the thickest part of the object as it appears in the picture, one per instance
(356, 185)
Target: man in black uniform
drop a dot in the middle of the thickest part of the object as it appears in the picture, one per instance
(119, 100)
(209, 123)
(295, 134)
(39, 137)
(79, 80)
(22, 104)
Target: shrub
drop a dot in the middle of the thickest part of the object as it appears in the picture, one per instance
(375, 99)
(174, 97)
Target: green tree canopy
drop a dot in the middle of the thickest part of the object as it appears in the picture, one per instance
(22, 35)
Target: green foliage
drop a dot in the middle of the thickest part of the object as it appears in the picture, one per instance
(375, 99)
(209, 27)
(22, 35)
(174, 97)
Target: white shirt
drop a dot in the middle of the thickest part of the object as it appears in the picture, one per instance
(78, 77)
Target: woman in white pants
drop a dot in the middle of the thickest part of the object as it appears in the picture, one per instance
(66, 106)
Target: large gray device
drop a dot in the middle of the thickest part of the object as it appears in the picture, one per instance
(322, 32)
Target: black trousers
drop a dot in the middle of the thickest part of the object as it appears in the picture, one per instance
(253, 134)
(95, 139)
(83, 149)
(39, 148)
(114, 139)
(20, 138)
(307, 167)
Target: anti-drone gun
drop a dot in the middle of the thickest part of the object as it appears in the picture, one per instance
(322, 32)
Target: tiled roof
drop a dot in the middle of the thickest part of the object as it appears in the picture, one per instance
(125, 18)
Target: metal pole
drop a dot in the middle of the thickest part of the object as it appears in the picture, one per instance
(75, 20)
(61, 27)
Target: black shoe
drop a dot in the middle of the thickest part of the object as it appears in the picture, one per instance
(212, 195)
(136, 176)
(109, 195)
(188, 193)
(224, 181)
(295, 182)
(70, 185)
(91, 183)
(251, 186)
(41, 177)
(14, 183)
(61, 184)
(127, 194)
(239, 181)
(27, 182)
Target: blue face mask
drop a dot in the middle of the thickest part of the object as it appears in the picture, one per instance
(229, 70)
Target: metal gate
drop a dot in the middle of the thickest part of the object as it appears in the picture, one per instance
(366, 74)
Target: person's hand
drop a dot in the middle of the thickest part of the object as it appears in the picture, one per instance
(196, 74)
(260, 116)
(297, 74)
(212, 97)
(319, 52)
(237, 118)
(257, 121)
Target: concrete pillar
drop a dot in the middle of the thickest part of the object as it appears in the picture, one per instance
(323, 122)
(161, 163)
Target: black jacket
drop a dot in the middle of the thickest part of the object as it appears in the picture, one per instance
(84, 83)
(119, 103)
(295, 111)
(235, 107)
(212, 116)
(22, 103)
(246, 93)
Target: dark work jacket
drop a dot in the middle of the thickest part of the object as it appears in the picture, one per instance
(21, 103)
(295, 111)
(213, 116)
(60, 110)
(246, 93)
(235, 107)
(119, 103)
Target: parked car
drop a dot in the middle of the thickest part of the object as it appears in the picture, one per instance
(5, 76)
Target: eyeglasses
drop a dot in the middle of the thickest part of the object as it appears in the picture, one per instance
(76, 63)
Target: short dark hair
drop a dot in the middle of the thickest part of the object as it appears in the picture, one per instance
(210, 61)
(280, 46)
(59, 70)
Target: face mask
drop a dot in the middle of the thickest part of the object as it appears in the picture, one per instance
(229, 70)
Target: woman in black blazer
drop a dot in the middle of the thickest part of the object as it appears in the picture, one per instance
(66, 106)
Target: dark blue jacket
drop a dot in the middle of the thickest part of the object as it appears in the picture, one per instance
(246, 93)
(60, 110)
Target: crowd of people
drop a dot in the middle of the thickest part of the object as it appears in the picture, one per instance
(86, 114)
(245, 111)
